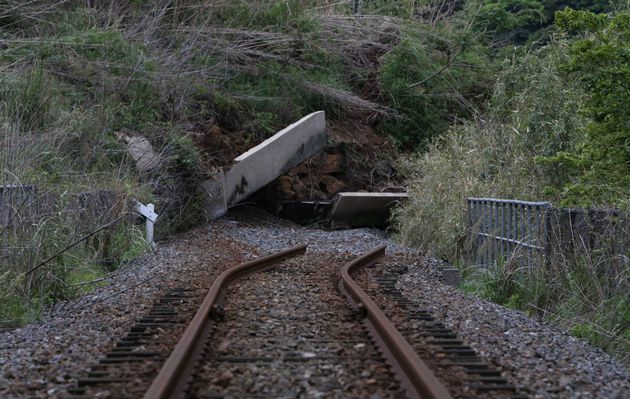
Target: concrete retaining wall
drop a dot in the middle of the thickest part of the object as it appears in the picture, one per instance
(266, 162)
(275, 156)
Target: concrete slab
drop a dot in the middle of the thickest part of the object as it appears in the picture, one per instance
(364, 209)
(264, 163)
(275, 156)
(213, 189)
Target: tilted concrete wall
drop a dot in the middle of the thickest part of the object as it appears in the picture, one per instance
(364, 209)
(275, 156)
(214, 194)
(264, 163)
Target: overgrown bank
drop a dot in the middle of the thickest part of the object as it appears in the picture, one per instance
(197, 81)
(556, 129)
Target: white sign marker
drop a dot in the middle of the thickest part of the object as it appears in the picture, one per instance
(148, 211)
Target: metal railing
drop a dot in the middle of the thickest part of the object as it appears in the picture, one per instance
(504, 230)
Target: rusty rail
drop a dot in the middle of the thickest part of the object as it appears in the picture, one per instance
(170, 382)
(418, 380)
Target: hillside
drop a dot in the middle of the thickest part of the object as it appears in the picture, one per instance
(514, 99)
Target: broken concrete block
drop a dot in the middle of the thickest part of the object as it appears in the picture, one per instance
(141, 151)
(265, 163)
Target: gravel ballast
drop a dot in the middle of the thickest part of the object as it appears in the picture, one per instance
(45, 358)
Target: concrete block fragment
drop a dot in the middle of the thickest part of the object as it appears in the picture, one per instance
(364, 209)
(142, 152)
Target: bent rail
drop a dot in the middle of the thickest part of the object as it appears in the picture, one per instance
(418, 379)
(168, 383)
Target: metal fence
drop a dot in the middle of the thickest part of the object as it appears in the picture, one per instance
(504, 230)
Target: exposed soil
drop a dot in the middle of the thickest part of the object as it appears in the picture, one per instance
(217, 147)
(357, 159)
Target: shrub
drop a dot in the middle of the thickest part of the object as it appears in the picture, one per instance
(600, 60)
(531, 117)
(431, 78)
(532, 112)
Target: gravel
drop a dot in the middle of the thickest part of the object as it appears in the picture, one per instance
(44, 358)
(552, 364)
(548, 361)
(288, 332)
(272, 234)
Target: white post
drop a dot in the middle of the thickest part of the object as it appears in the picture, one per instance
(148, 212)
(150, 224)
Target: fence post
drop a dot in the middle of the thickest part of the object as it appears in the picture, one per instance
(548, 212)
(148, 212)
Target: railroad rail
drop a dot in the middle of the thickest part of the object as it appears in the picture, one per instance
(198, 356)
(417, 378)
(171, 379)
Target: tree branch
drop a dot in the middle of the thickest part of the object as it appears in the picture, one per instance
(42, 263)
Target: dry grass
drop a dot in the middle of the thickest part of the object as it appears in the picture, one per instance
(532, 113)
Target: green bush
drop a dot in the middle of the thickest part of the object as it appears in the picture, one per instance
(519, 21)
(600, 61)
(512, 152)
(431, 78)
(394, 8)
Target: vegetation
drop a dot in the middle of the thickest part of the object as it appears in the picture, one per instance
(600, 60)
(75, 74)
(518, 21)
(555, 129)
(504, 98)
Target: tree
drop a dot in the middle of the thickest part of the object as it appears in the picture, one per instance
(600, 61)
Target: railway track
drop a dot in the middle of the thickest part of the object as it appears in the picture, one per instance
(284, 331)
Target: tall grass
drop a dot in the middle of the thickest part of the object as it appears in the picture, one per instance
(60, 97)
(532, 113)
(582, 289)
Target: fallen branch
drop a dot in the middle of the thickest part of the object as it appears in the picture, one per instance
(449, 63)
(42, 263)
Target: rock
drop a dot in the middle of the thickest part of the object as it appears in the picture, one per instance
(331, 185)
(301, 170)
(142, 152)
(225, 378)
(286, 186)
(224, 346)
(332, 163)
